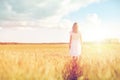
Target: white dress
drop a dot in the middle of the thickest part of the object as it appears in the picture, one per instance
(75, 49)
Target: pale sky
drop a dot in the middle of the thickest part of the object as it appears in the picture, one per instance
(39, 21)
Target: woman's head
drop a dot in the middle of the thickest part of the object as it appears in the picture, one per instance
(75, 27)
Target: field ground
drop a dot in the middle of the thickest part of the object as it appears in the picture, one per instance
(52, 62)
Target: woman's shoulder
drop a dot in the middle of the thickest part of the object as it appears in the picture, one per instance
(70, 32)
(75, 33)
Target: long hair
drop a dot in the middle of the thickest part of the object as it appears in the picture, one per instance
(75, 28)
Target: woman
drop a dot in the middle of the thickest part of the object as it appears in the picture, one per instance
(75, 42)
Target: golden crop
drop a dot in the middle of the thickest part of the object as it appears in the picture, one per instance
(52, 62)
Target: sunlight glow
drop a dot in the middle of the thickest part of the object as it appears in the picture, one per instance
(95, 35)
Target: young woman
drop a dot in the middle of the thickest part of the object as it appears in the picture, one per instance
(75, 42)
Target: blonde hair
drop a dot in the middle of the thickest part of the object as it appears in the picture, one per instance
(75, 28)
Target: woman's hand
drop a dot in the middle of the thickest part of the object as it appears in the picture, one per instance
(69, 46)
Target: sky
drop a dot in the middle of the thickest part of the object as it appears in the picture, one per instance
(40, 21)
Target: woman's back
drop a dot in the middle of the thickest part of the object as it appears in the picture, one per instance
(75, 44)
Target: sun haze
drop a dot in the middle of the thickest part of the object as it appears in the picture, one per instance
(51, 21)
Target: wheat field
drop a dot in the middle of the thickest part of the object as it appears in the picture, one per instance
(52, 62)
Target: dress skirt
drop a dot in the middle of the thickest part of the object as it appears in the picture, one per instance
(75, 49)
